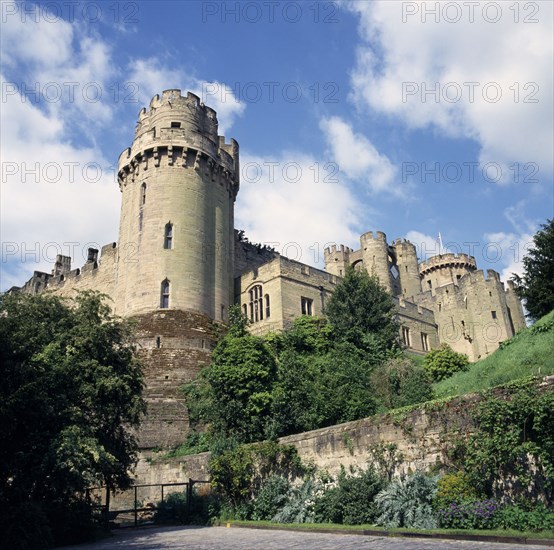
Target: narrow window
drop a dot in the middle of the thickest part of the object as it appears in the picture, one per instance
(143, 194)
(222, 312)
(164, 297)
(493, 313)
(307, 306)
(267, 308)
(424, 342)
(256, 304)
(406, 337)
(168, 236)
(440, 306)
(158, 342)
(245, 310)
(430, 284)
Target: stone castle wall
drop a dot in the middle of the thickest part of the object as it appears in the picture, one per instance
(421, 437)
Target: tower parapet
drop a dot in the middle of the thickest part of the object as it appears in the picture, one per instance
(337, 259)
(445, 269)
(180, 131)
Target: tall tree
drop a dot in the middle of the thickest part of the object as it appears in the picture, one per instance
(536, 286)
(70, 389)
(361, 310)
(233, 394)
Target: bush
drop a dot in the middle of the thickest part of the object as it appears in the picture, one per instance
(444, 362)
(271, 497)
(352, 501)
(400, 382)
(408, 503)
(454, 488)
(538, 518)
(175, 509)
(469, 514)
(299, 507)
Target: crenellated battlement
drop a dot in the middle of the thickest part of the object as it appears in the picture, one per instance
(95, 274)
(181, 128)
(223, 171)
(447, 261)
(174, 107)
(337, 249)
(378, 236)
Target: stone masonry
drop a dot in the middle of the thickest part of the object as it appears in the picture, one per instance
(179, 264)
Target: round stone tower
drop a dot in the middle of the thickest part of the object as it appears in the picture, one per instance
(445, 269)
(377, 258)
(178, 181)
(408, 268)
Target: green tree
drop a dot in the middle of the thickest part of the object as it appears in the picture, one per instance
(443, 362)
(536, 286)
(71, 387)
(361, 307)
(233, 394)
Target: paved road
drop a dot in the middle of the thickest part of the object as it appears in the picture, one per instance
(203, 538)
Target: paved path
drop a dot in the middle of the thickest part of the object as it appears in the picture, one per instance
(162, 538)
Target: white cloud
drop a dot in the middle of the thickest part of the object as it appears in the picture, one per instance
(53, 193)
(295, 204)
(153, 78)
(428, 246)
(515, 58)
(358, 158)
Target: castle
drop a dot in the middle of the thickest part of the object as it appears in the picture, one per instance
(179, 264)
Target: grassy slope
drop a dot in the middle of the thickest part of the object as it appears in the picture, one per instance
(529, 353)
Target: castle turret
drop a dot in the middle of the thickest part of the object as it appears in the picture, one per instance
(445, 269)
(408, 268)
(377, 259)
(178, 181)
(337, 259)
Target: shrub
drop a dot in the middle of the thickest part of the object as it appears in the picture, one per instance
(271, 497)
(469, 514)
(400, 382)
(175, 509)
(454, 488)
(408, 503)
(444, 362)
(352, 500)
(299, 507)
(238, 474)
(539, 518)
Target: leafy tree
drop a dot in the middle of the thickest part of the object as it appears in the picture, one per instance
(71, 388)
(233, 394)
(536, 286)
(443, 362)
(359, 307)
(346, 389)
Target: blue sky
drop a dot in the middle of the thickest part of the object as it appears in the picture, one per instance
(351, 116)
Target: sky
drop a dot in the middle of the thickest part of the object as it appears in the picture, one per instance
(412, 118)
